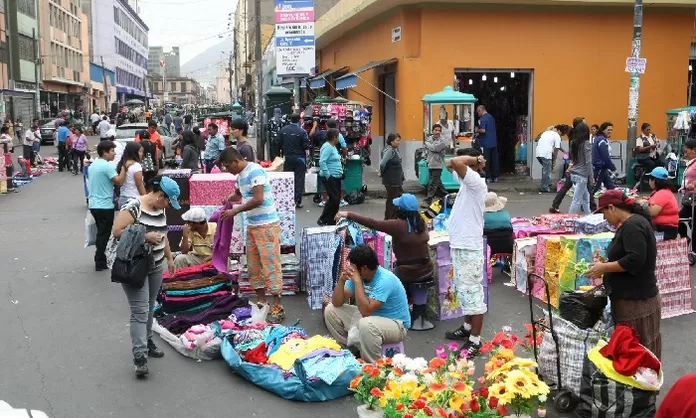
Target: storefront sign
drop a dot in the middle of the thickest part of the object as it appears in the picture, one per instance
(636, 65)
(294, 33)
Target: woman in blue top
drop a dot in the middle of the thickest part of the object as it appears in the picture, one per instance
(330, 173)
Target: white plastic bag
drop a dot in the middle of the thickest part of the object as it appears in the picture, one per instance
(353, 337)
(310, 183)
(90, 230)
(259, 312)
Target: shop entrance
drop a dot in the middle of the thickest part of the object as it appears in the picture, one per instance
(507, 96)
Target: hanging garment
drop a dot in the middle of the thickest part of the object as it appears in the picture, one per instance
(223, 238)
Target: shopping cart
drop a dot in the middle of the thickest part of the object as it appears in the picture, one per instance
(685, 196)
(563, 399)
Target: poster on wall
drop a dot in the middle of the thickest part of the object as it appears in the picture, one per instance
(222, 124)
(294, 28)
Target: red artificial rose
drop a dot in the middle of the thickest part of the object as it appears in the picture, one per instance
(474, 405)
(486, 348)
(428, 411)
(483, 391)
(502, 411)
(493, 402)
(507, 344)
(498, 338)
(408, 415)
(418, 404)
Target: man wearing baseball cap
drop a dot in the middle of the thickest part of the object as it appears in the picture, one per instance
(197, 240)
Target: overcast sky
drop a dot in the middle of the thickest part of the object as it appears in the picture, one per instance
(192, 25)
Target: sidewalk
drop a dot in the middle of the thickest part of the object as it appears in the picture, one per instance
(508, 184)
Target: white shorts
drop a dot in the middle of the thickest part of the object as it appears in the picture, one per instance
(469, 270)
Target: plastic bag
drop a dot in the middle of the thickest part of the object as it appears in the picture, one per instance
(259, 312)
(311, 180)
(90, 230)
(353, 337)
(583, 309)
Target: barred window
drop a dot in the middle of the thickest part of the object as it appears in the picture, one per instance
(26, 7)
(26, 48)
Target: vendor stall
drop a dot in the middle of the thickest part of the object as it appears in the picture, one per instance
(462, 107)
(680, 128)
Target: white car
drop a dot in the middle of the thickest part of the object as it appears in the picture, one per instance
(6, 411)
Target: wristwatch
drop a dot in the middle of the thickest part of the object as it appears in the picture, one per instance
(479, 159)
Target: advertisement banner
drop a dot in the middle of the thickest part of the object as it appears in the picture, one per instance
(295, 47)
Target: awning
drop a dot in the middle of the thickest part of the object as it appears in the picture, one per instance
(319, 80)
(351, 80)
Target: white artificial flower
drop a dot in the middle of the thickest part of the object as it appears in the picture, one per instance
(400, 360)
(408, 377)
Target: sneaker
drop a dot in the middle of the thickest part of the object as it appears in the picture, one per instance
(554, 210)
(459, 334)
(343, 203)
(276, 315)
(140, 364)
(471, 349)
(154, 351)
(322, 203)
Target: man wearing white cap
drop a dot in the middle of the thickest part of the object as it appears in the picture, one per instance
(197, 240)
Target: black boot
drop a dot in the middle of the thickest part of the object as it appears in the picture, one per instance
(140, 366)
(154, 351)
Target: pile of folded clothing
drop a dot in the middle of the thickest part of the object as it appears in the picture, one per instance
(290, 265)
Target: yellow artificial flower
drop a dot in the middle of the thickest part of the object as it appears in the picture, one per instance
(499, 390)
(524, 362)
(429, 396)
(505, 354)
(519, 383)
(383, 401)
(456, 403)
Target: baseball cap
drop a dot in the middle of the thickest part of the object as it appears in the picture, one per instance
(171, 189)
(659, 173)
(613, 197)
(407, 202)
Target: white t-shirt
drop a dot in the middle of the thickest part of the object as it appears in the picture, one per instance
(95, 118)
(29, 137)
(466, 218)
(129, 189)
(103, 127)
(548, 141)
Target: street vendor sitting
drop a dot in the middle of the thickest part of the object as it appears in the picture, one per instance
(381, 314)
(497, 224)
(197, 240)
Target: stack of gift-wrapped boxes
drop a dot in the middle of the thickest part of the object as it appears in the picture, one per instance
(174, 221)
(290, 266)
(443, 300)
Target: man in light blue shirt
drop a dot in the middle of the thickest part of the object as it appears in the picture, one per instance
(213, 148)
(62, 134)
(101, 177)
(381, 312)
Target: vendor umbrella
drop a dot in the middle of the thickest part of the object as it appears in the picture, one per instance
(134, 102)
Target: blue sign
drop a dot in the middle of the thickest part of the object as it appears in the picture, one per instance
(293, 4)
(295, 41)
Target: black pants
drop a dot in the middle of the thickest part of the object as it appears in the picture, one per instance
(62, 156)
(78, 160)
(686, 212)
(104, 218)
(298, 166)
(567, 185)
(670, 232)
(492, 167)
(332, 185)
(393, 192)
(435, 187)
(28, 153)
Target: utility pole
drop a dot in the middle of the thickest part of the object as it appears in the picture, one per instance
(107, 103)
(230, 71)
(37, 75)
(634, 88)
(258, 58)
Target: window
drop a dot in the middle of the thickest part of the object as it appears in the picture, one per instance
(124, 21)
(125, 78)
(129, 53)
(26, 48)
(26, 7)
(3, 52)
(183, 86)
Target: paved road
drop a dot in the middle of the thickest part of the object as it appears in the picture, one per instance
(66, 345)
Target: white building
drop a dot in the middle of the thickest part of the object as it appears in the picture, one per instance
(119, 37)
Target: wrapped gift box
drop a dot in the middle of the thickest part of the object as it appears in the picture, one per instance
(674, 277)
(548, 253)
(592, 249)
(211, 189)
(563, 221)
(383, 248)
(592, 224)
(283, 186)
(446, 305)
(523, 261)
(568, 260)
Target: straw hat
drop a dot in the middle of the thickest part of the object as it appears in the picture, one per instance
(494, 202)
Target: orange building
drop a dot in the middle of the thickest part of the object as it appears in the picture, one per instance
(533, 65)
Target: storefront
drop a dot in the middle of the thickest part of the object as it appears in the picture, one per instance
(532, 66)
(59, 97)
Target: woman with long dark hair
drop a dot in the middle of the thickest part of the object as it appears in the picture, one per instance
(629, 272)
(392, 172)
(663, 206)
(190, 154)
(568, 183)
(134, 186)
(581, 170)
(410, 238)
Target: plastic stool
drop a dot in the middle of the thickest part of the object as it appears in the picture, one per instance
(390, 350)
(419, 292)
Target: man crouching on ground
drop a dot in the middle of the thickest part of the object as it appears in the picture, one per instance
(381, 314)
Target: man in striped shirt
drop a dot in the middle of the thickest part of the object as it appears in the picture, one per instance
(263, 229)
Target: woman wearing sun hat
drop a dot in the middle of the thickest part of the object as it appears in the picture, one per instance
(663, 206)
(497, 224)
(148, 210)
(629, 272)
(410, 238)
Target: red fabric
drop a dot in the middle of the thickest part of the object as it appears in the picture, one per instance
(679, 402)
(626, 353)
(189, 271)
(27, 163)
(256, 355)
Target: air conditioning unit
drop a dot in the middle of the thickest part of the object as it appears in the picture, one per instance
(396, 34)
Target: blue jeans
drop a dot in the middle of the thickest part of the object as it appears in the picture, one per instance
(545, 173)
(581, 197)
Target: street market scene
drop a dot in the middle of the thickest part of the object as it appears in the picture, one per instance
(307, 208)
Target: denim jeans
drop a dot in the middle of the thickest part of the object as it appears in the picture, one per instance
(545, 173)
(142, 303)
(581, 197)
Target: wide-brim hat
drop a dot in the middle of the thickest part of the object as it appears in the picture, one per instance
(494, 202)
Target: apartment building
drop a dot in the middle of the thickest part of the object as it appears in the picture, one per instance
(180, 90)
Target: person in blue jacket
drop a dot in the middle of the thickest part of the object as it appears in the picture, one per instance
(601, 158)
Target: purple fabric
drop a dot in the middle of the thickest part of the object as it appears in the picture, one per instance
(223, 238)
(242, 313)
(194, 298)
(220, 309)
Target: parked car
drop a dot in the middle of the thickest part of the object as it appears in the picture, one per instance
(127, 132)
(48, 130)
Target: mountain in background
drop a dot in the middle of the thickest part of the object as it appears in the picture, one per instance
(203, 67)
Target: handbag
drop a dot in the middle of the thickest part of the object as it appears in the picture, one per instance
(583, 309)
(132, 255)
